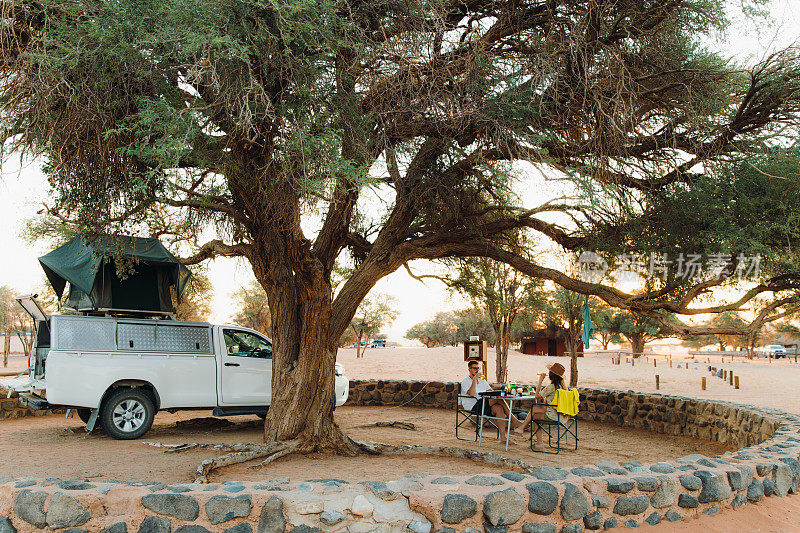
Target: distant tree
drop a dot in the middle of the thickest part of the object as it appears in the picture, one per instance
(502, 293)
(441, 329)
(195, 304)
(6, 320)
(374, 313)
(698, 341)
(474, 322)
(639, 330)
(728, 319)
(252, 309)
(14, 320)
(606, 323)
(566, 307)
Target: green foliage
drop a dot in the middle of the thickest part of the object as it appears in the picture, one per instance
(195, 304)
(374, 313)
(252, 308)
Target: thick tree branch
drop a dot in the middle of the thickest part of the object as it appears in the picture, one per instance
(217, 248)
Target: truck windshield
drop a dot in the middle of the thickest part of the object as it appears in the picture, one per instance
(245, 344)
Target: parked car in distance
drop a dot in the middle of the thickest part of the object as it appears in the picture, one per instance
(118, 372)
(776, 351)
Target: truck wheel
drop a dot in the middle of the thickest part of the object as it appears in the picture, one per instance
(127, 414)
(84, 413)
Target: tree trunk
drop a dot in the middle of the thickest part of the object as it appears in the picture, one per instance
(501, 349)
(358, 344)
(575, 325)
(6, 348)
(304, 354)
(637, 344)
(721, 346)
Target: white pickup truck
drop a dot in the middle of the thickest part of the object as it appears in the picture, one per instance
(119, 372)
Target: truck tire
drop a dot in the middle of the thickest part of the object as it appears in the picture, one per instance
(127, 414)
(84, 413)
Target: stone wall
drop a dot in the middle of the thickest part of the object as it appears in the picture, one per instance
(737, 425)
(11, 408)
(603, 495)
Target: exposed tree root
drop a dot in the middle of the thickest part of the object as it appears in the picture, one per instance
(394, 424)
(379, 448)
(276, 455)
(183, 447)
(244, 452)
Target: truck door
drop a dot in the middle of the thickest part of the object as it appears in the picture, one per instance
(246, 368)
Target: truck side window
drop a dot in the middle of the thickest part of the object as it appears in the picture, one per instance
(244, 344)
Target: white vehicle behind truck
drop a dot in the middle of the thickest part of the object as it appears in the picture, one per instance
(118, 372)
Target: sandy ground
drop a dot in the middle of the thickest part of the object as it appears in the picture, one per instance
(97, 456)
(25, 442)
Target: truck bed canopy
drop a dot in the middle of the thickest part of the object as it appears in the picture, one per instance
(89, 264)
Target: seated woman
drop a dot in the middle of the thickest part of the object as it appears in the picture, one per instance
(556, 375)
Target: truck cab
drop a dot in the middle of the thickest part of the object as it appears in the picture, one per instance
(120, 371)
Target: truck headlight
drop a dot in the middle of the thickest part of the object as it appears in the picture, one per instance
(338, 369)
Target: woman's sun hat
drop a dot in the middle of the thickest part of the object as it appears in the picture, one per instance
(557, 369)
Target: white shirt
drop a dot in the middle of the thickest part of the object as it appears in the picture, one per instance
(481, 386)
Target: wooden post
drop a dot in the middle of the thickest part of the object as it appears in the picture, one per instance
(724, 375)
(654, 363)
(730, 376)
(657, 384)
(736, 382)
(670, 362)
(703, 384)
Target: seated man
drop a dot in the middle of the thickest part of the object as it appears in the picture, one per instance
(473, 386)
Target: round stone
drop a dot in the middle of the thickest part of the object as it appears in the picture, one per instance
(619, 485)
(66, 511)
(504, 507)
(574, 504)
(755, 491)
(690, 482)
(687, 501)
(715, 488)
(223, 508)
(593, 521)
(457, 508)
(176, 505)
(630, 505)
(542, 497)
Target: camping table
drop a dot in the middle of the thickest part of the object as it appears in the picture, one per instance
(510, 400)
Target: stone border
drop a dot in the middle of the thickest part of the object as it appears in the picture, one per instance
(545, 500)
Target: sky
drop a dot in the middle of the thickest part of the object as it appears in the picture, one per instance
(23, 189)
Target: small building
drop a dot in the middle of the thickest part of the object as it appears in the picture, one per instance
(551, 341)
(378, 343)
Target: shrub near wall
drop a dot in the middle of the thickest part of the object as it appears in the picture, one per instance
(599, 496)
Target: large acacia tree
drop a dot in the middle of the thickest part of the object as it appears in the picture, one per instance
(270, 121)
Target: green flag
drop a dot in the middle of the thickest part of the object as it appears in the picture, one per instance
(588, 329)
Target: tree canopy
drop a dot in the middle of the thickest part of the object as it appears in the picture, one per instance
(261, 120)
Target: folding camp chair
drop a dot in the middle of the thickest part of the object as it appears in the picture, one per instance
(558, 431)
(465, 415)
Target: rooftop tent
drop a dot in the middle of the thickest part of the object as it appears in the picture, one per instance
(89, 265)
